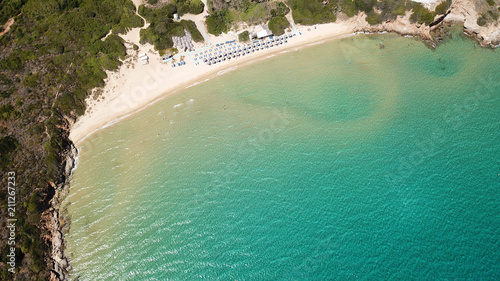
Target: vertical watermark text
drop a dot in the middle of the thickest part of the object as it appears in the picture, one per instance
(11, 221)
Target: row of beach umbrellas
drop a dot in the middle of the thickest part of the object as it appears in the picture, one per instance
(250, 48)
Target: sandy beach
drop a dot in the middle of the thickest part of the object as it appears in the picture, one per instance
(135, 86)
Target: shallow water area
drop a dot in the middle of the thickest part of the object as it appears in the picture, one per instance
(338, 161)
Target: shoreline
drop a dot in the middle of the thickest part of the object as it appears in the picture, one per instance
(134, 87)
(121, 101)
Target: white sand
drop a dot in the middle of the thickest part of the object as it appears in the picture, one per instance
(134, 86)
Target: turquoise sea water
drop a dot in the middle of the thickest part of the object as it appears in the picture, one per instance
(339, 161)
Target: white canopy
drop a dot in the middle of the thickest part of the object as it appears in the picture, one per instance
(263, 33)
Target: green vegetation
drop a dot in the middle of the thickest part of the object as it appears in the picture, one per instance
(128, 20)
(312, 11)
(244, 36)
(52, 57)
(7, 112)
(219, 22)
(278, 24)
(280, 11)
(223, 14)
(482, 21)
(373, 18)
(485, 19)
(191, 27)
(488, 14)
(188, 6)
(421, 14)
(493, 15)
(491, 2)
(163, 27)
(442, 8)
(55, 54)
(7, 145)
(196, 7)
(9, 8)
(254, 14)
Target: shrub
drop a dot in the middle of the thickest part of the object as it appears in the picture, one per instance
(163, 43)
(191, 27)
(373, 18)
(196, 7)
(31, 80)
(365, 5)
(281, 10)
(11, 63)
(178, 31)
(348, 7)
(278, 24)
(6, 94)
(7, 112)
(421, 14)
(9, 9)
(219, 22)
(482, 21)
(7, 145)
(244, 36)
(127, 22)
(309, 12)
(442, 8)
(254, 14)
(493, 15)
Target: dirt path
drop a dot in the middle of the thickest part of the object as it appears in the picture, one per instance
(6, 26)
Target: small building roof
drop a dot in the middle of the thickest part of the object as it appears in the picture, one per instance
(263, 33)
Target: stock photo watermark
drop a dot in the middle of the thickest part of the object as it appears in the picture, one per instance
(250, 147)
(452, 119)
(11, 221)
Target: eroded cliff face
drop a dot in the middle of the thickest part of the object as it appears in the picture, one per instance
(56, 224)
(468, 12)
(462, 12)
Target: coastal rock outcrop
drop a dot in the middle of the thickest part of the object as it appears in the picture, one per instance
(467, 12)
(55, 222)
